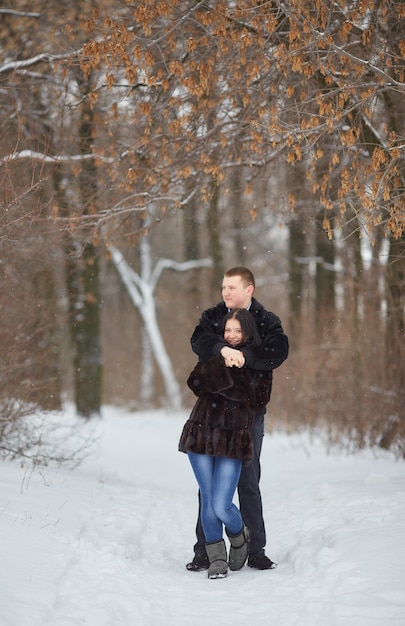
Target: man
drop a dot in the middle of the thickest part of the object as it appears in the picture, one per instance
(237, 292)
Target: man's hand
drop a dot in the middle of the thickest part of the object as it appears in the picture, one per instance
(232, 357)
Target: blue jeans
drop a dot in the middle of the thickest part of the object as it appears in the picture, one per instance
(250, 499)
(217, 479)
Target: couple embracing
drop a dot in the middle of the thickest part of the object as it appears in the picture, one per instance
(239, 344)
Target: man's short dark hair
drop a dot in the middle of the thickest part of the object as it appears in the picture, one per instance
(244, 273)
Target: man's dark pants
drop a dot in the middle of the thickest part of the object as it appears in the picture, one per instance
(250, 499)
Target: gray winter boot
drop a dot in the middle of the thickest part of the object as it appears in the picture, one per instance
(218, 559)
(239, 550)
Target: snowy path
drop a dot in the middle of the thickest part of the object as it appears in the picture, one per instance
(106, 544)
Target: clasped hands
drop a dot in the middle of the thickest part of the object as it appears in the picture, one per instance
(232, 357)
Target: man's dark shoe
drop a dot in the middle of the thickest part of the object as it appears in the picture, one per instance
(261, 561)
(199, 563)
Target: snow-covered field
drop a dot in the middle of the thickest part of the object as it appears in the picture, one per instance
(106, 544)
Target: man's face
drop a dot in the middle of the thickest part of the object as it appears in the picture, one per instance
(235, 293)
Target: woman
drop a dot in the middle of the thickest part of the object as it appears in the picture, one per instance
(217, 438)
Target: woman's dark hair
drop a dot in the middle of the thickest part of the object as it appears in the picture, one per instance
(247, 323)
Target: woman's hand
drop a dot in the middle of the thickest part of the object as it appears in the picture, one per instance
(232, 357)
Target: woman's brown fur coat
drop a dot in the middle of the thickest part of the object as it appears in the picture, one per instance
(228, 399)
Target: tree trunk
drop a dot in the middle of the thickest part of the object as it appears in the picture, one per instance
(192, 247)
(395, 334)
(141, 294)
(214, 234)
(84, 285)
(296, 255)
(239, 216)
(191, 234)
(324, 282)
(84, 296)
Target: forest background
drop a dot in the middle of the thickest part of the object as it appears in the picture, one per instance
(146, 147)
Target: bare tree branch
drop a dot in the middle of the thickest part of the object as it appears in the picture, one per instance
(17, 65)
(47, 158)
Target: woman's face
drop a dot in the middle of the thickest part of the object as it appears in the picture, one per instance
(233, 333)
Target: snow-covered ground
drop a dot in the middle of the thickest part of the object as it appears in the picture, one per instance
(106, 544)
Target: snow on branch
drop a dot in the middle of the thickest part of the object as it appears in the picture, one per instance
(17, 65)
(366, 63)
(47, 158)
(141, 291)
(129, 277)
(185, 266)
(19, 13)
